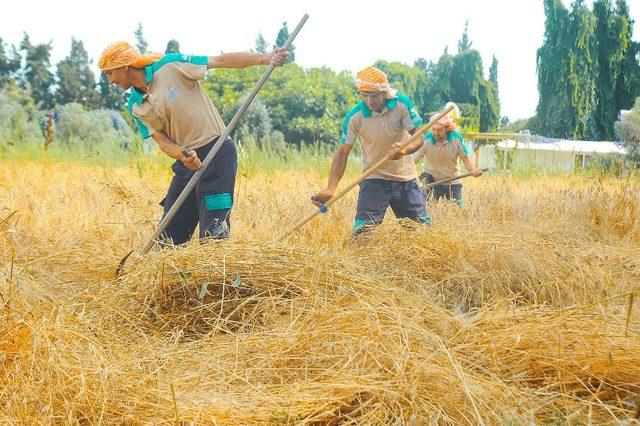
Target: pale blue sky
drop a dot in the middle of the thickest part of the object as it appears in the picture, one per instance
(340, 34)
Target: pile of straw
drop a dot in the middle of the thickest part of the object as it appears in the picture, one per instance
(492, 315)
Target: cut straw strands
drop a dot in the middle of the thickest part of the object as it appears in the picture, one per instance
(221, 286)
(514, 309)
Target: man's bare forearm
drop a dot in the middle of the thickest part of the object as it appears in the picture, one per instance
(168, 146)
(238, 60)
(413, 146)
(338, 167)
(469, 164)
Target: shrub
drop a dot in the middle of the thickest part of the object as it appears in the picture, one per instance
(18, 117)
(77, 127)
(628, 132)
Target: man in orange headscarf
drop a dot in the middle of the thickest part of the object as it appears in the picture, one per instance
(443, 147)
(382, 120)
(170, 105)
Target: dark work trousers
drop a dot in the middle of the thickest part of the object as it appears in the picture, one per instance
(404, 198)
(447, 191)
(209, 204)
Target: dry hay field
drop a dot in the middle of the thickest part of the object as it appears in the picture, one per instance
(517, 309)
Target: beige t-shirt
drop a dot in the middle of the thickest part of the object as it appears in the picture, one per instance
(378, 131)
(176, 102)
(441, 159)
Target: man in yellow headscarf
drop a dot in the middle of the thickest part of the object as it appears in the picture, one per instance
(443, 149)
(170, 105)
(382, 120)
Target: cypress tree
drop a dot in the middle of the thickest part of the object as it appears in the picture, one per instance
(583, 72)
(261, 44)
(612, 44)
(628, 82)
(172, 47)
(283, 35)
(141, 42)
(552, 65)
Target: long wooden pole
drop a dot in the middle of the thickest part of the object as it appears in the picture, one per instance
(440, 182)
(418, 134)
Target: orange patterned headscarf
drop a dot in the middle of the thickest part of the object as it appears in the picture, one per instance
(122, 54)
(371, 79)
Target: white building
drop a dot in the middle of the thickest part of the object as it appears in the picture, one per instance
(552, 155)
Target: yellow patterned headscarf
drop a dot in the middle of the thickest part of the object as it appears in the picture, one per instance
(122, 54)
(371, 79)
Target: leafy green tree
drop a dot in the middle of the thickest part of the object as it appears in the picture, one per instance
(439, 85)
(422, 64)
(628, 82)
(523, 124)
(141, 42)
(489, 107)
(460, 79)
(37, 77)
(255, 121)
(583, 72)
(18, 116)
(466, 76)
(282, 37)
(412, 81)
(588, 69)
(493, 73)
(628, 131)
(9, 64)
(111, 96)
(492, 119)
(554, 104)
(172, 46)
(465, 43)
(306, 106)
(612, 44)
(76, 81)
(261, 44)
(80, 127)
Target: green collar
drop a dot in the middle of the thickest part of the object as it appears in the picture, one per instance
(139, 95)
(148, 72)
(366, 112)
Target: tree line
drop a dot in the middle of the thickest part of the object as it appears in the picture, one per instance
(29, 66)
(307, 105)
(588, 69)
(303, 105)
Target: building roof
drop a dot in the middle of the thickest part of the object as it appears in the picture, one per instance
(578, 147)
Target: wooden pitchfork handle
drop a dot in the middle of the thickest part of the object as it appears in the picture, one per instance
(447, 180)
(323, 208)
